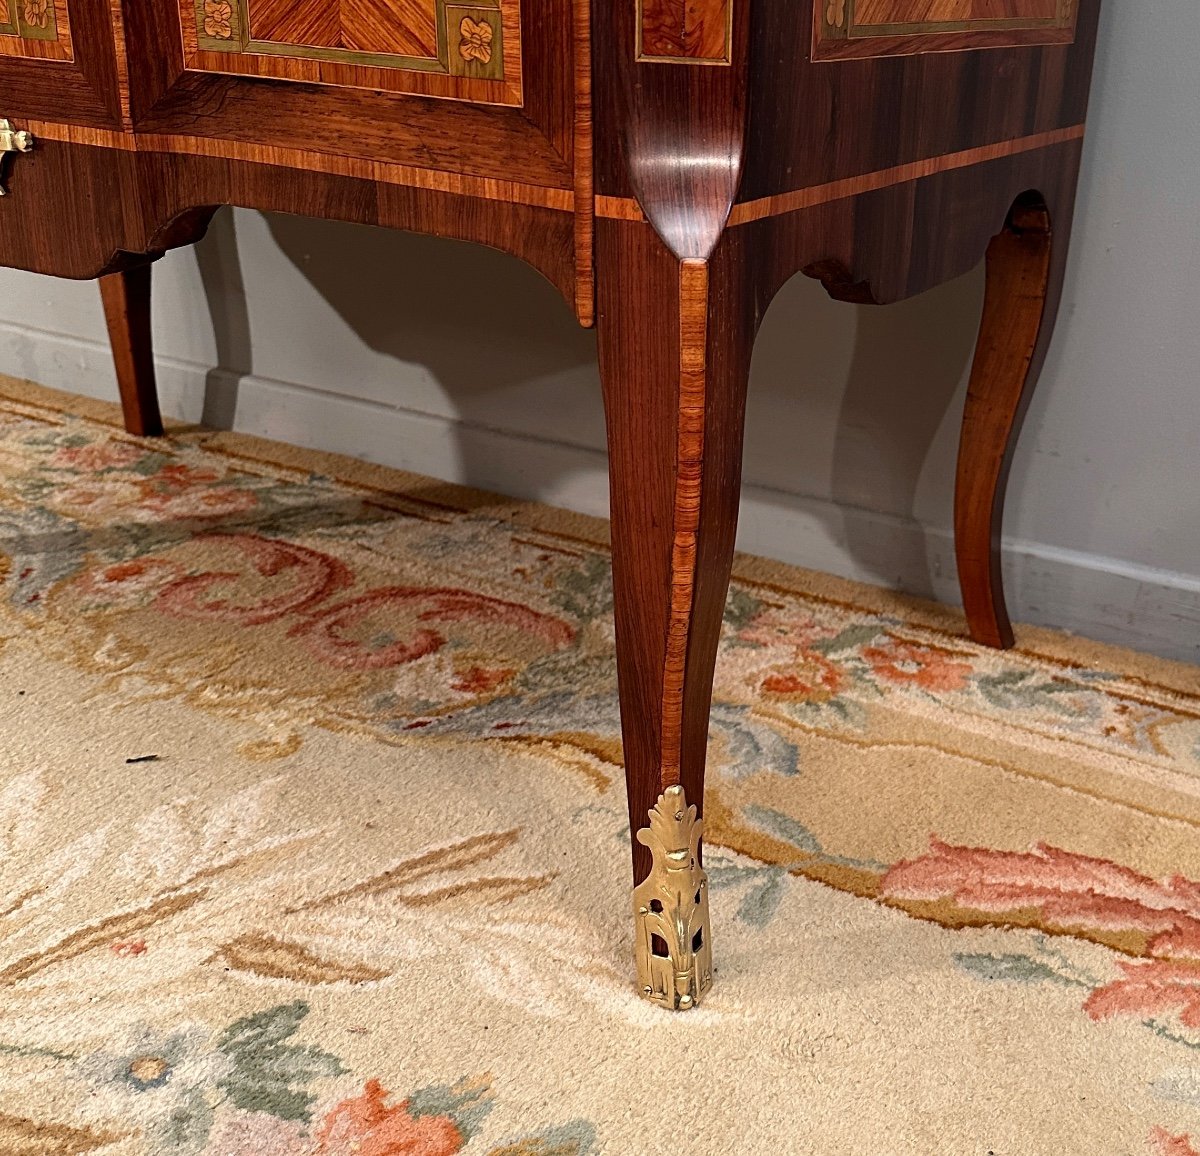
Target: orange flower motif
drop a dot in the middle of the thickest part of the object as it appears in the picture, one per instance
(910, 664)
(366, 1126)
(479, 680)
(476, 40)
(218, 19)
(812, 678)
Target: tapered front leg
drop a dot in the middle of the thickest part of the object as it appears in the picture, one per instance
(675, 337)
(1025, 266)
(126, 297)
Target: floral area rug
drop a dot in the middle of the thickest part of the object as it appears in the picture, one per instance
(312, 840)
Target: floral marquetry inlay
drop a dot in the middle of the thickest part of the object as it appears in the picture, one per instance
(476, 42)
(38, 13)
(218, 19)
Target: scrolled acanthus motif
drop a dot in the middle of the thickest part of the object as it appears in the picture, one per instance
(673, 950)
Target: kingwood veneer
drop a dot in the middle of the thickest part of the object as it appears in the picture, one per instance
(668, 164)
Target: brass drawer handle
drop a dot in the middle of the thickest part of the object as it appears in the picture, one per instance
(11, 141)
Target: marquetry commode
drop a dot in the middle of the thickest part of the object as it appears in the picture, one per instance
(668, 164)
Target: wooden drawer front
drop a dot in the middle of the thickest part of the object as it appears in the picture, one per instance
(856, 28)
(431, 85)
(57, 62)
(436, 47)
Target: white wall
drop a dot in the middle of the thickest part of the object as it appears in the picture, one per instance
(462, 363)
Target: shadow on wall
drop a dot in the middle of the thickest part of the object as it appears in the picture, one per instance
(854, 420)
(847, 402)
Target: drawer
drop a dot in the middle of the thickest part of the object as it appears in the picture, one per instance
(57, 62)
(459, 50)
(482, 88)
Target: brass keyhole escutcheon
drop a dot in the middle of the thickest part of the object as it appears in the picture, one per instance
(11, 141)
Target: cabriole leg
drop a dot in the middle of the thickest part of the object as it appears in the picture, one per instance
(675, 340)
(1024, 283)
(126, 297)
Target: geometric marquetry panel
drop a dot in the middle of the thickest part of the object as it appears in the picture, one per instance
(34, 28)
(847, 28)
(456, 40)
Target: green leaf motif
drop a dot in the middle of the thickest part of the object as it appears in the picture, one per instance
(148, 466)
(852, 638)
(467, 1103)
(783, 827)
(585, 591)
(269, 1074)
(761, 902)
(1006, 968)
(741, 608)
(185, 1127)
(1026, 690)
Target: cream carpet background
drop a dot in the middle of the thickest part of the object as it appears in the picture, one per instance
(371, 895)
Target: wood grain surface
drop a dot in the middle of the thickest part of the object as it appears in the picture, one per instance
(126, 299)
(696, 31)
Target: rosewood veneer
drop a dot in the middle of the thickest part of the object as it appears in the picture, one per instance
(668, 164)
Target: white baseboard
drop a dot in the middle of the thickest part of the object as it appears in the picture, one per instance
(1107, 599)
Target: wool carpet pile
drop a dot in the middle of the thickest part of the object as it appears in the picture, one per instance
(313, 840)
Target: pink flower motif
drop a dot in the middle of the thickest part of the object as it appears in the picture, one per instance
(215, 502)
(1068, 891)
(1167, 1145)
(910, 664)
(783, 628)
(131, 947)
(257, 1134)
(97, 456)
(1163, 987)
(298, 579)
(180, 476)
(366, 1126)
